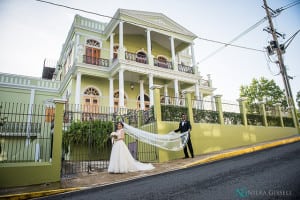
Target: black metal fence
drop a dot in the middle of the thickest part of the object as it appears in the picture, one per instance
(205, 111)
(25, 134)
(86, 142)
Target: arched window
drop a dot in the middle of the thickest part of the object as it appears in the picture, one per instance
(93, 43)
(162, 61)
(141, 57)
(91, 91)
(90, 103)
(116, 100)
(146, 102)
(92, 52)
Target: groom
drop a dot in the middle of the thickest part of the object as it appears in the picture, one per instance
(185, 125)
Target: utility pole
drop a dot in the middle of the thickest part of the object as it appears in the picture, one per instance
(282, 68)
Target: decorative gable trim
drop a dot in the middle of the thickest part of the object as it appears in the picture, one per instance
(158, 20)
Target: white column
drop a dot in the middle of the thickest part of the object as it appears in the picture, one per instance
(173, 53)
(150, 59)
(150, 90)
(176, 91)
(193, 59)
(197, 92)
(213, 104)
(121, 34)
(121, 52)
(111, 94)
(166, 94)
(77, 90)
(142, 100)
(111, 47)
(193, 54)
(121, 88)
(201, 101)
(75, 57)
(29, 119)
(209, 80)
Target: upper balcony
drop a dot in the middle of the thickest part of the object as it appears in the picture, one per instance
(95, 61)
(139, 58)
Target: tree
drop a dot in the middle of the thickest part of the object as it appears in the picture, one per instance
(263, 90)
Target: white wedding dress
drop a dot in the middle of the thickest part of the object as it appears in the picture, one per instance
(121, 160)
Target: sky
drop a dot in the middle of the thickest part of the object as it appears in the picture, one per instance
(32, 31)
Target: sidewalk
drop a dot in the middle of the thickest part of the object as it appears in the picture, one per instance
(97, 179)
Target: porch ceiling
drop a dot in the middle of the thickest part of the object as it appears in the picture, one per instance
(134, 78)
(163, 40)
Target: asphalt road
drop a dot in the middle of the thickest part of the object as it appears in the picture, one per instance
(268, 174)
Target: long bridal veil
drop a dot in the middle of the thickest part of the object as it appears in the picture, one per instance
(171, 141)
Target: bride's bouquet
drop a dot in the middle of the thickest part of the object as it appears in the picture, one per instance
(114, 135)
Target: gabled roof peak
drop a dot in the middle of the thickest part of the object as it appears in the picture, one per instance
(154, 18)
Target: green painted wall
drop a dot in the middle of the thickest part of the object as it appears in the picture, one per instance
(21, 174)
(207, 138)
(134, 43)
(14, 95)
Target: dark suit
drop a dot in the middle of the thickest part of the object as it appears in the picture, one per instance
(183, 127)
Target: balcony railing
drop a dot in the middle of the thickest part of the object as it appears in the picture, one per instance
(167, 65)
(135, 57)
(96, 61)
(184, 68)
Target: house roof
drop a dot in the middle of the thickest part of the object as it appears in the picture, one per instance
(155, 20)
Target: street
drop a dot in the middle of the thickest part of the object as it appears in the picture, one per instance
(268, 174)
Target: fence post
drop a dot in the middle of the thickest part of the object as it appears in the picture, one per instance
(157, 106)
(278, 113)
(219, 108)
(57, 135)
(262, 110)
(188, 104)
(243, 110)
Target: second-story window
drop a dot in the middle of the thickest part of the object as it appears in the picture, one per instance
(141, 57)
(92, 52)
(162, 62)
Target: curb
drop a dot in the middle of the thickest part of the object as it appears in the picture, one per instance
(242, 151)
(30, 195)
(209, 159)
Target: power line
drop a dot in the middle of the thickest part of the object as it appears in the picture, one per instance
(275, 13)
(236, 38)
(201, 38)
(288, 6)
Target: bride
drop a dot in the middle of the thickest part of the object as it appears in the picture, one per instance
(121, 160)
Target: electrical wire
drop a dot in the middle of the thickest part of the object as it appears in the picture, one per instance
(172, 31)
(225, 44)
(287, 6)
(236, 38)
(288, 41)
(269, 60)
